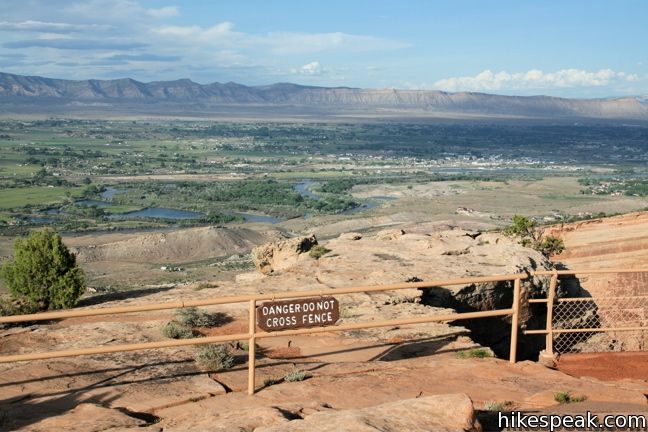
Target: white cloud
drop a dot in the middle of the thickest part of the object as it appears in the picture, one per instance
(105, 38)
(50, 27)
(117, 10)
(165, 12)
(534, 79)
(280, 43)
(312, 68)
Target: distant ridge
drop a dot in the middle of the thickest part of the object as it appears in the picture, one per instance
(20, 93)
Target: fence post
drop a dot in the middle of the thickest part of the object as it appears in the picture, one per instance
(514, 320)
(251, 347)
(550, 304)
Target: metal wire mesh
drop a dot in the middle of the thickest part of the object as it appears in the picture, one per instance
(605, 316)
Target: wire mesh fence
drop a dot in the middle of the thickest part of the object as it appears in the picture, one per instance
(603, 324)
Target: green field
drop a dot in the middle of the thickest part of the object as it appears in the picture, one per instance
(36, 196)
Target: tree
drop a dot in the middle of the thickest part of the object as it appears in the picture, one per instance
(43, 274)
(522, 226)
(532, 236)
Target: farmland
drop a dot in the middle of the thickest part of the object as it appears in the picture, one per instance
(80, 175)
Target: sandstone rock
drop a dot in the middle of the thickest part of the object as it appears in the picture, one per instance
(88, 417)
(203, 383)
(235, 420)
(281, 255)
(432, 413)
(350, 236)
(389, 234)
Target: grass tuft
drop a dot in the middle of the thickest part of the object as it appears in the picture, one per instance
(475, 353)
(565, 397)
(318, 251)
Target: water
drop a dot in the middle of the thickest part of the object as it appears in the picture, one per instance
(52, 211)
(91, 203)
(109, 193)
(158, 212)
(41, 220)
(303, 189)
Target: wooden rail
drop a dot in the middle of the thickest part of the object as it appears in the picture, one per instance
(253, 334)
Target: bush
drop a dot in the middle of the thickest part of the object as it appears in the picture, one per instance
(521, 226)
(551, 245)
(43, 274)
(318, 251)
(295, 375)
(175, 330)
(531, 236)
(193, 317)
(214, 357)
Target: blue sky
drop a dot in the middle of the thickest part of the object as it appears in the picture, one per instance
(563, 48)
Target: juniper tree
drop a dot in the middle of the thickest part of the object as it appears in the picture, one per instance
(43, 273)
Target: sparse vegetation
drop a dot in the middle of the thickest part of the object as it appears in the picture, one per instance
(245, 346)
(186, 319)
(495, 406)
(295, 375)
(214, 357)
(566, 397)
(43, 274)
(475, 353)
(176, 330)
(318, 251)
(530, 235)
(193, 317)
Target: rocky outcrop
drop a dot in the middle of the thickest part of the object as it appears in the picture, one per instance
(351, 236)
(390, 234)
(280, 255)
(440, 413)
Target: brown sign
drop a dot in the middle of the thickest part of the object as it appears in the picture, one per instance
(294, 314)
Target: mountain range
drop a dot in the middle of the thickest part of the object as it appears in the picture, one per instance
(20, 93)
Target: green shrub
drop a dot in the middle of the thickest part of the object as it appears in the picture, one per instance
(176, 330)
(318, 251)
(521, 226)
(295, 375)
(530, 236)
(43, 274)
(214, 357)
(193, 317)
(551, 245)
(475, 353)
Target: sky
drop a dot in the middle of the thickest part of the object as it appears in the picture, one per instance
(575, 48)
